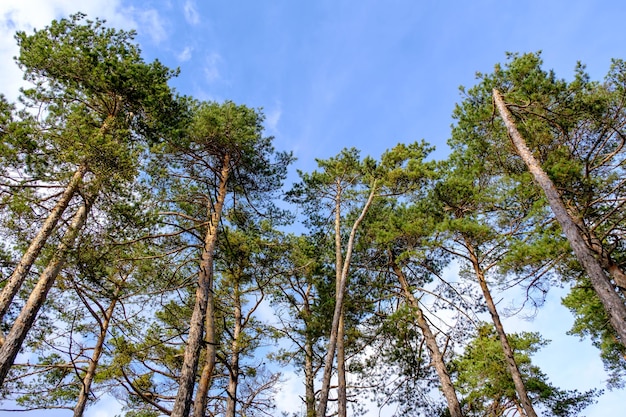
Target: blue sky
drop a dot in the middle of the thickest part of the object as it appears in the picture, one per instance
(368, 74)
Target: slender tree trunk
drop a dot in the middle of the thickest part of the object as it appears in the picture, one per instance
(431, 343)
(342, 390)
(83, 396)
(26, 318)
(520, 388)
(210, 352)
(18, 276)
(233, 380)
(342, 401)
(612, 302)
(309, 378)
(337, 314)
(182, 404)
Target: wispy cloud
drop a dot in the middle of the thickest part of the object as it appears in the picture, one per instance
(185, 54)
(272, 117)
(152, 24)
(211, 68)
(191, 14)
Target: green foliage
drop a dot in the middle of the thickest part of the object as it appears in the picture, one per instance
(141, 413)
(78, 60)
(101, 102)
(481, 375)
(592, 321)
(100, 105)
(575, 130)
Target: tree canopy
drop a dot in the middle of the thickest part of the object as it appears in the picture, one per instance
(156, 253)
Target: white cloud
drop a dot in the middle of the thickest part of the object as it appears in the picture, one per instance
(288, 395)
(152, 25)
(16, 15)
(107, 406)
(185, 54)
(272, 117)
(191, 14)
(211, 70)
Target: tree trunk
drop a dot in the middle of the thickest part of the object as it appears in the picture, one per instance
(210, 352)
(612, 302)
(337, 314)
(182, 404)
(595, 244)
(342, 402)
(520, 388)
(342, 391)
(233, 371)
(26, 318)
(431, 343)
(309, 378)
(83, 396)
(18, 276)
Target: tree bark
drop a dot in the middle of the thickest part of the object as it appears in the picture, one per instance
(337, 314)
(83, 396)
(602, 255)
(182, 404)
(342, 401)
(342, 389)
(26, 318)
(309, 378)
(520, 388)
(23, 267)
(233, 371)
(431, 343)
(612, 302)
(15, 281)
(210, 352)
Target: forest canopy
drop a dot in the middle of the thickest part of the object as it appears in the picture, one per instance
(155, 252)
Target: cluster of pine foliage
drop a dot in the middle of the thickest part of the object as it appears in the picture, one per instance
(148, 252)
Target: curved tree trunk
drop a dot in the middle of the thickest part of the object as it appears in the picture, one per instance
(520, 388)
(339, 297)
(18, 276)
(431, 343)
(83, 396)
(26, 318)
(612, 302)
(182, 404)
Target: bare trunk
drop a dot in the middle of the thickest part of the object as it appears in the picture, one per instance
(182, 404)
(337, 314)
(341, 349)
(612, 302)
(309, 378)
(210, 351)
(18, 276)
(342, 394)
(431, 343)
(233, 380)
(83, 396)
(26, 318)
(520, 388)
